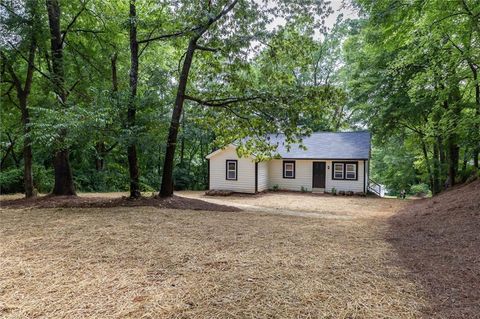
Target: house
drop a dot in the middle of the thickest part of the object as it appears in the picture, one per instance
(337, 161)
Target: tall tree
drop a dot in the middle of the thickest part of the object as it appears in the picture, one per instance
(132, 148)
(167, 178)
(61, 163)
(229, 40)
(23, 89)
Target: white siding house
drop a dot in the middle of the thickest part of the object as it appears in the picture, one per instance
(338, 161)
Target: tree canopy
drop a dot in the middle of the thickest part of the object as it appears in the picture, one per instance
(132, 95)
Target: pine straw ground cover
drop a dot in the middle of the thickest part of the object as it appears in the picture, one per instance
(151, 262)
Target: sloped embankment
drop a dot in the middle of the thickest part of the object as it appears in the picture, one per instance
(438, 241)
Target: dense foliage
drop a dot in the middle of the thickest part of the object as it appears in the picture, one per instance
(413, 79)
(120, 94)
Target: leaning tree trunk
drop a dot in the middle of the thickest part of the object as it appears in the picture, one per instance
(166, 189)
(27, 152)
(61, 164)
(131, 112)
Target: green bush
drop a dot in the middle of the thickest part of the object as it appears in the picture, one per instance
(11, 181)
(43, 178)
(469, 174)
(420, 189)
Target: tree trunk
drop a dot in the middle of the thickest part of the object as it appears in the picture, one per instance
(453, 155)
(452, 141)
(99, 158)
(22, 95)
(427, 163)
(166, 189)
(100, 147)
(436, 168)
(476, 150)
(131, 113)
(27, 151)
(63, 173)
(465, 159)
(182, 141)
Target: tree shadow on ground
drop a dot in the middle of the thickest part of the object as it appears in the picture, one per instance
(438, 242)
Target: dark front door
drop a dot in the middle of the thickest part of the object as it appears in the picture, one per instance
(318, 175)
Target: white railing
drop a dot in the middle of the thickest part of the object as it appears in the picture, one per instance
(375, 188)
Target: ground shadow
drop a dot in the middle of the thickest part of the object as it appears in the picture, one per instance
(438, 242)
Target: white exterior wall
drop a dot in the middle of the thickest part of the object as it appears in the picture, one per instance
(303, 177)
(345, 185)
(245, 182)
(262, 176)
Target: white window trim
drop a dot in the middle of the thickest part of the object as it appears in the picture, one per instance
(291, 170)
(235, 170)
(335, 170)
(354, 171)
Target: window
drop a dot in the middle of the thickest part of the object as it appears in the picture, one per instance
(338, 171)
(345, 170)
(232, 170)
(350, 171)
(288, 169)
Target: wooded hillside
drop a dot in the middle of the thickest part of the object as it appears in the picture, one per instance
(132, 95)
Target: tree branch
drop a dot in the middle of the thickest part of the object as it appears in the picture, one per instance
(222, 102)
(164, 36)
(15, 79)
(108, 150)
(73, 87)
(199, 47)
(26, 59)
(12, 85)
(73, 21)
(13, 102)
(87, 31)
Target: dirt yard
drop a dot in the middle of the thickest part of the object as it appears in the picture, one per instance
(283, 256)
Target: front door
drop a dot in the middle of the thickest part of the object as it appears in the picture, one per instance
(318, 175)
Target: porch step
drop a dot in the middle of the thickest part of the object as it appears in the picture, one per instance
(318, 190)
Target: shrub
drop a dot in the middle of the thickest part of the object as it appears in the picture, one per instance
(275, 187)
(11, 181)
(420, 189)
(43, 178)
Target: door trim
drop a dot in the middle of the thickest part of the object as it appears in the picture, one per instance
(324, 175)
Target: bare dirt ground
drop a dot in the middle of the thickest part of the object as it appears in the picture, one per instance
(338, 257)
(306, 204)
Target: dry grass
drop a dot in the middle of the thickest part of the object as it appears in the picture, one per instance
(158, 263)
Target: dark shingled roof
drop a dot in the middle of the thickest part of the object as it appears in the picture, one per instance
(326, 145)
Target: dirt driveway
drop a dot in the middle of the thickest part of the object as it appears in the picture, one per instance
(307, 204)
